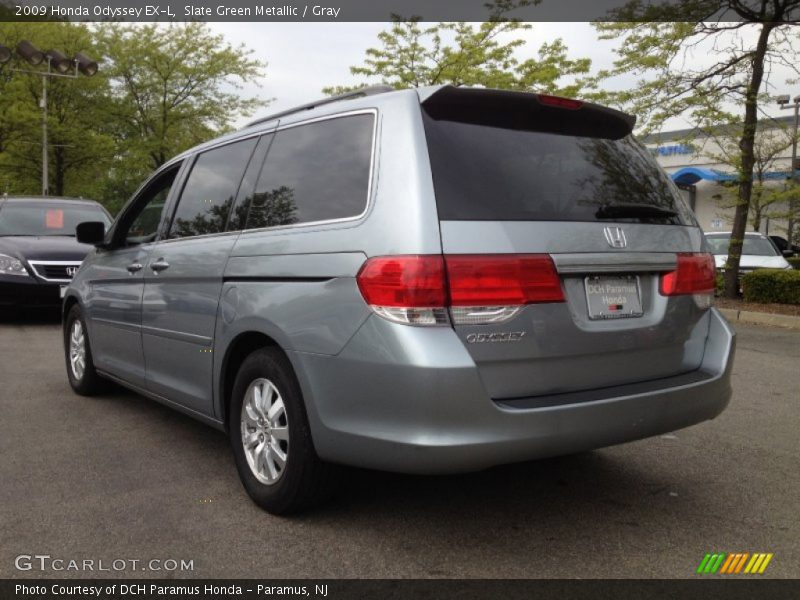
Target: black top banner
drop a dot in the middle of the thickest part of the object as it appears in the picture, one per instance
(375, 10)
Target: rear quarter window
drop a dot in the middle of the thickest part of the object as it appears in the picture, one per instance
(315, 172)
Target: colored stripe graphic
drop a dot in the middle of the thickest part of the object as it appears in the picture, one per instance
(728, 564)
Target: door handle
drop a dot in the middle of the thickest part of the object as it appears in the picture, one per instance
(159, 265)
(134, 267)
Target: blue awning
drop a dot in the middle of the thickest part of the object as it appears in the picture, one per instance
(691, 175)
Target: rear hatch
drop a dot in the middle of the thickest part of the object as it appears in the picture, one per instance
(526, 182)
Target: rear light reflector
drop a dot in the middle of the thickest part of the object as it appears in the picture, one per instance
(502, 280)
(559, 102)
(695, 274)
(477, 289)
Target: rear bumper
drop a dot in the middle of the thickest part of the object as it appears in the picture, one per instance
(28, 293)
(410, 400)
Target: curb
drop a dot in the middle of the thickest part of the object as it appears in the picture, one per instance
(759, 318)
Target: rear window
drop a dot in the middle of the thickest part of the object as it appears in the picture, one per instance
(42, 218)
(482, 172)
(752, 246)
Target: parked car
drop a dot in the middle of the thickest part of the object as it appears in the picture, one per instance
(758, 252)
(784, 247)
(38, 251)
(424, 281)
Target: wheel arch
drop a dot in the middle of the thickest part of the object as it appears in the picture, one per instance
(244, 344)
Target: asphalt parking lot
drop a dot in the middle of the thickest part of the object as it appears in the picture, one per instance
(121, 477)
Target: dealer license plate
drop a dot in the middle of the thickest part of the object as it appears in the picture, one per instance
(613, 297)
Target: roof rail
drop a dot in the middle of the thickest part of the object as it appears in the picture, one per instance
(365, 91)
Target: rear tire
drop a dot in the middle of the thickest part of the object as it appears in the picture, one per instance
(271, 438)
(78, 354)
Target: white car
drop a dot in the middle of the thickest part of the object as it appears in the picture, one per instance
(758, 252)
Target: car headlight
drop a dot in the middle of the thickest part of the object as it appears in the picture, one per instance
(12, 266)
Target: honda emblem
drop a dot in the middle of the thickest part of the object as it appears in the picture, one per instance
(615, 237)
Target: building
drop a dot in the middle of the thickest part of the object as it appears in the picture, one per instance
(698, 163)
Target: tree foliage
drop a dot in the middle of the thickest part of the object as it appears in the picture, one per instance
(770, 198)
(415, 54)
(697, 58)
(159, 90)
(79, 142)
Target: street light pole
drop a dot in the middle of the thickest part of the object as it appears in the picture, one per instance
(79, 63)
(45, 161)
(783, 101)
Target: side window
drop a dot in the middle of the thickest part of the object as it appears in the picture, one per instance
(314, 172)
(210, 190)
(144, 224)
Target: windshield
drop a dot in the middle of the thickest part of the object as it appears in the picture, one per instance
(753, 245)
(482, 172)
(47, 218)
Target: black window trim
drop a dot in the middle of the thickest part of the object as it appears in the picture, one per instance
(113, 234)
(189, 162)
(371, 176)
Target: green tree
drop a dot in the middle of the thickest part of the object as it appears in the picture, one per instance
(770, 145)
(173, 87)
(79, 143)
(413, 54)
(732, 64)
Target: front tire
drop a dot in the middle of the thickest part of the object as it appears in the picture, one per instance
(78, 354)
(271, 438)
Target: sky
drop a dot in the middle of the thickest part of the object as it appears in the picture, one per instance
(305, 57)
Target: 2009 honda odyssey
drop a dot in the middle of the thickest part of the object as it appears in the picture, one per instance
(425, 281)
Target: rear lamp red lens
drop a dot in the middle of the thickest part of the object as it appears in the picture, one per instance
(695, 274)
(414, 281)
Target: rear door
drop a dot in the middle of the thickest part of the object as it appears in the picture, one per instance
(183, 278)
(525, 183)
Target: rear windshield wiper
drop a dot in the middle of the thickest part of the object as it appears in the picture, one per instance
(612, 211)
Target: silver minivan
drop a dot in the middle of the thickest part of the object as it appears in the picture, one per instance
(425, 281)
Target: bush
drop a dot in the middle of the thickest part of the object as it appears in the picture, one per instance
(719, 280)
(794, 261)
(772, 285)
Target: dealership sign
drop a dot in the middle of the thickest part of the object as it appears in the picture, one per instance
(672, 150)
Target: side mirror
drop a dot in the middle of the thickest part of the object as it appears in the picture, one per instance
(787, 253)
(90, 232)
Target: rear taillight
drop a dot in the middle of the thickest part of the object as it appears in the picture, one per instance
(406, 289)
(476, 289)
(695, 274)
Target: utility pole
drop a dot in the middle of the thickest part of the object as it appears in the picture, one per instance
(64, 67)
(783, 101)
(45, 161)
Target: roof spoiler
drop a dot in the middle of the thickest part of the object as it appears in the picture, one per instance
(525, 111)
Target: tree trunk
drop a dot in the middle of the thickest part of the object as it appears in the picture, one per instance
(757, 219)
(746, 145)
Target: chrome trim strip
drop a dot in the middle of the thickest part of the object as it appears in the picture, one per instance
(622, 262)
(118, 324)
(56, 263)
(180, 336)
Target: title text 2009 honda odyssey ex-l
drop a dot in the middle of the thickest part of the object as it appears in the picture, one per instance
(425, 281)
